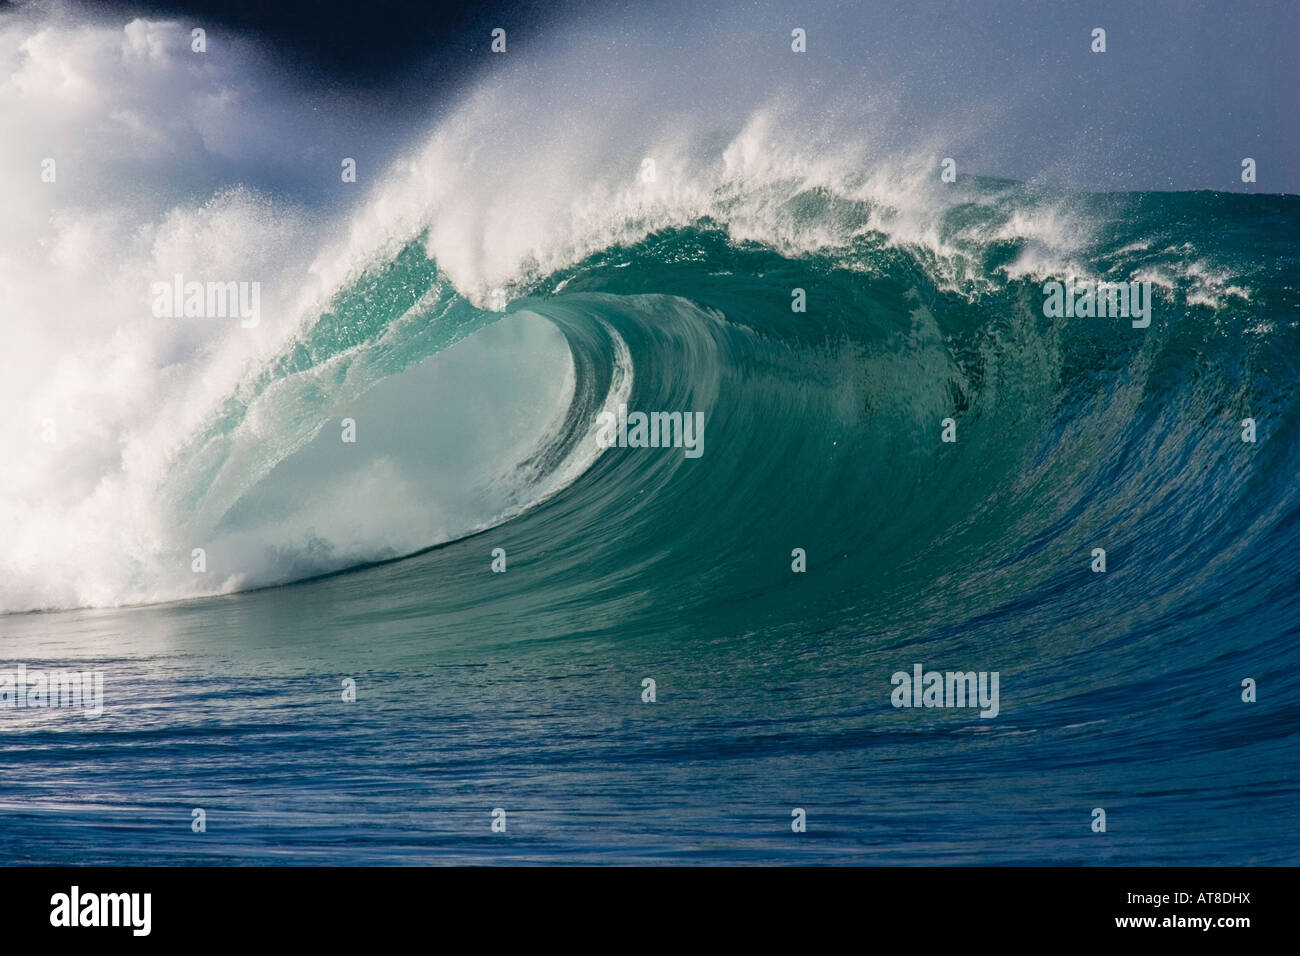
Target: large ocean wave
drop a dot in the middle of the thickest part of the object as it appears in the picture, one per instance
(495, 291)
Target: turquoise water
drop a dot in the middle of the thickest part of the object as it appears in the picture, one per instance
(522, 690)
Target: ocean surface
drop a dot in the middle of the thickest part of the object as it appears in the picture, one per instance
(474, 412)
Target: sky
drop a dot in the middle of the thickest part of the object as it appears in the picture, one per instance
(1185, 90)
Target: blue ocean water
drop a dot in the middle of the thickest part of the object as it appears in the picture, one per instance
(477, 690)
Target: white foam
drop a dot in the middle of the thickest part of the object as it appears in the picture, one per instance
(132, 122)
